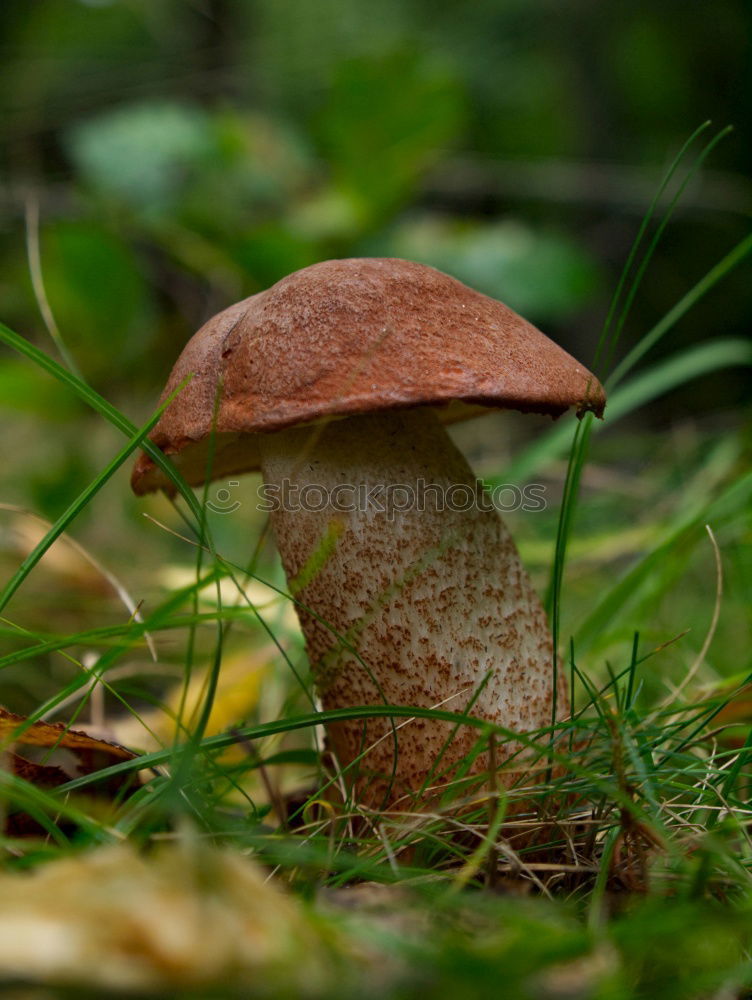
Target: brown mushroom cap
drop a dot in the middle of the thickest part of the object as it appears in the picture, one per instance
(353, 336)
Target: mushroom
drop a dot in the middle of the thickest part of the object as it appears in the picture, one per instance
(336, 383)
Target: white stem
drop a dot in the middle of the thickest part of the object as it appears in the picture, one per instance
(431, 594)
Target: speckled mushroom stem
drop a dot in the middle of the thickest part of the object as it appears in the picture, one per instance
(422, 578)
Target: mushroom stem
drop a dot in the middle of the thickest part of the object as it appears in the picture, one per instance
(387, 536)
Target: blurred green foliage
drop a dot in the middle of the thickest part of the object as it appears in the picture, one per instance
(185, 154)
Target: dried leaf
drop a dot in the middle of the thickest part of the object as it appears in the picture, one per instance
(68, 754)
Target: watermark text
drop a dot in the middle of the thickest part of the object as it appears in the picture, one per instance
(391, 499)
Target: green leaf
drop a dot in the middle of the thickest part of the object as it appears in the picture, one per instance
(144, 154)
(679, 542)
(641, 390)
(24, 389)
(97, 293)
(386, 121)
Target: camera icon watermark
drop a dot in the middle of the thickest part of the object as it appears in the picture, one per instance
(223, 502)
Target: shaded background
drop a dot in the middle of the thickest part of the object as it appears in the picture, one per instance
(189, 152)
(183, 154)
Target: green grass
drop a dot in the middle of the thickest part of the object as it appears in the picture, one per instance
(622, 868)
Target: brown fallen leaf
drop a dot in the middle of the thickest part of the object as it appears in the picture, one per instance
(68, 753)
